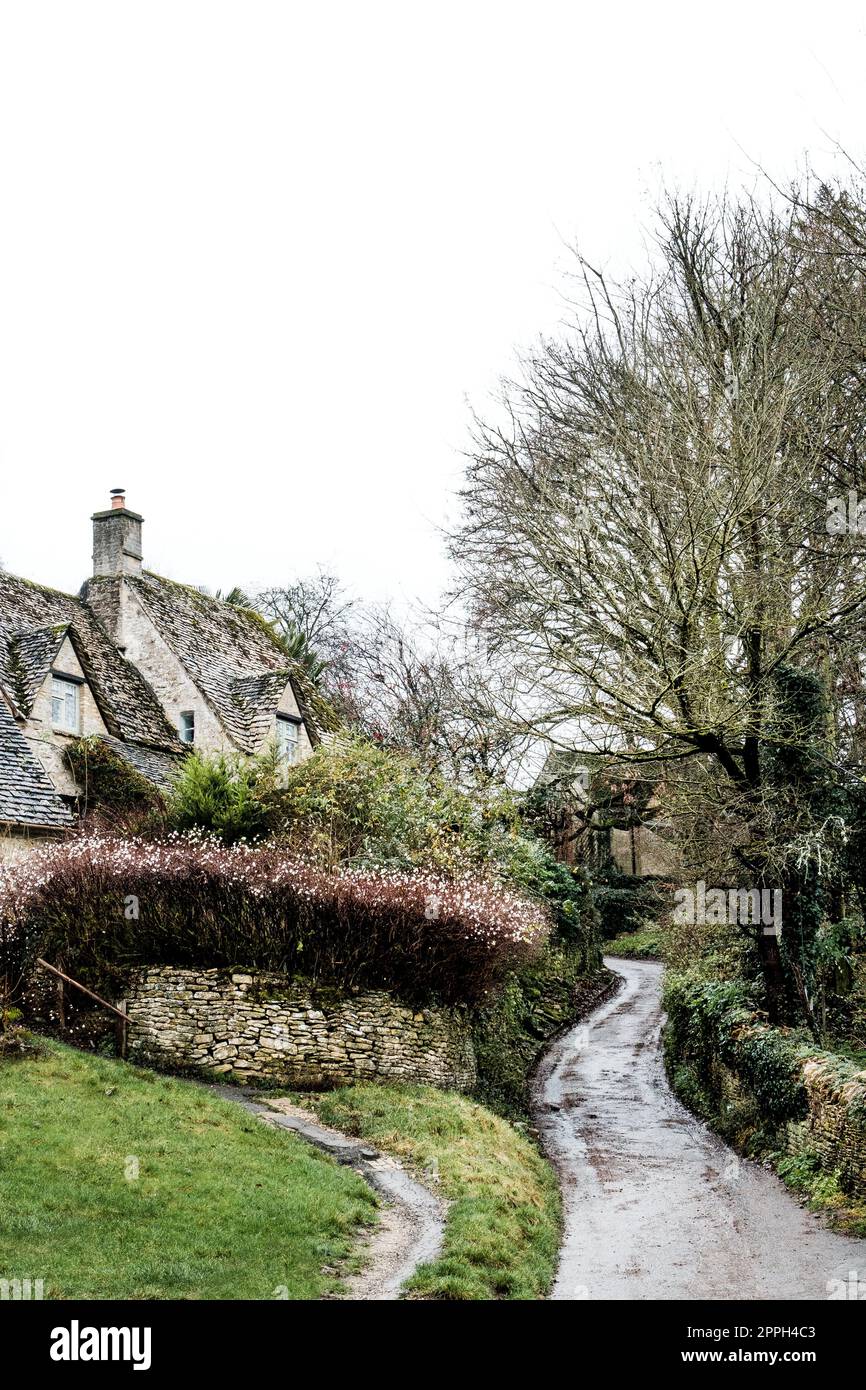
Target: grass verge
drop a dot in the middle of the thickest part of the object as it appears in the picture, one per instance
(117, 1183)
(503, 1224)
(805, 1174)
(636, 945)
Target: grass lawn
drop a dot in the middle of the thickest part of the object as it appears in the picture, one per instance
(117, 1183)
(636, 945)
(502, 1232)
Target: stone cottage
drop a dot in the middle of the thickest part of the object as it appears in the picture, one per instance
(153, 667)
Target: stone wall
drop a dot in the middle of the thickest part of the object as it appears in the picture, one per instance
(265, 1028)
(835, 1128)
(765, 1089)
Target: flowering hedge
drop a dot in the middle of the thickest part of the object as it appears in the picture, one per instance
(101, 905)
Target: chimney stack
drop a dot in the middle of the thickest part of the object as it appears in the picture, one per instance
(116, 538)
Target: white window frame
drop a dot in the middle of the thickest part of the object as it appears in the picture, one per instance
(186, 726)
(288, 738)
(65, 705)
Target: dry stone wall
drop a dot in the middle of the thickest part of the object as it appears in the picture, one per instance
(835, 1128)
(265, 1028)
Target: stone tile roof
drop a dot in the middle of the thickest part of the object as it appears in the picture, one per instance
(25, 660)
(231, 655)
(157, 766)
(33, 622)
(258, 697)
(27, 796)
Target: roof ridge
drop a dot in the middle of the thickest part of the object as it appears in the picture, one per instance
(188, 588)
(42, 588)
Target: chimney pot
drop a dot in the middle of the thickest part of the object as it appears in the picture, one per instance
(118, 497)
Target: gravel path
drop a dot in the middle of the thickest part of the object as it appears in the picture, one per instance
(411, 1220)
(656, 1206)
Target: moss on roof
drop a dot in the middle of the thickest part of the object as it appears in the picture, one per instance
(234, 656)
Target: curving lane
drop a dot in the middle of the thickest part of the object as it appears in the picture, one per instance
(655, 1205)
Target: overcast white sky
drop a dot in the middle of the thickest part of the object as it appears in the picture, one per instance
(255, 256)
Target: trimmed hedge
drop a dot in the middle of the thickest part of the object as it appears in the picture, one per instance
(103, 905)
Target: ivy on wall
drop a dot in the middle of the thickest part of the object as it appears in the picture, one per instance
(108, 781)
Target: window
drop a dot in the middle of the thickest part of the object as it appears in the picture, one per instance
(187, 726)
(288, 735)
(65, 705)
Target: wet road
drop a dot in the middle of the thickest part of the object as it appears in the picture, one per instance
(657, 1207)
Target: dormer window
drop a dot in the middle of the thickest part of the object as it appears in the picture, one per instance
(288, 737)
(187, 726)
(65, 705)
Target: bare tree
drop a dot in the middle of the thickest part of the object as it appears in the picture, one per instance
(311, 617)
(315, 606)
(646, 528)
(424, 687)
(411, 682)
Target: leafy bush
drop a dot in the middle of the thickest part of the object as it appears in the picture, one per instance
(526, 863)
(355, 803)
(224, 795)
(627, 904)
(108, 781)
(108, 904)
(717, 1021)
